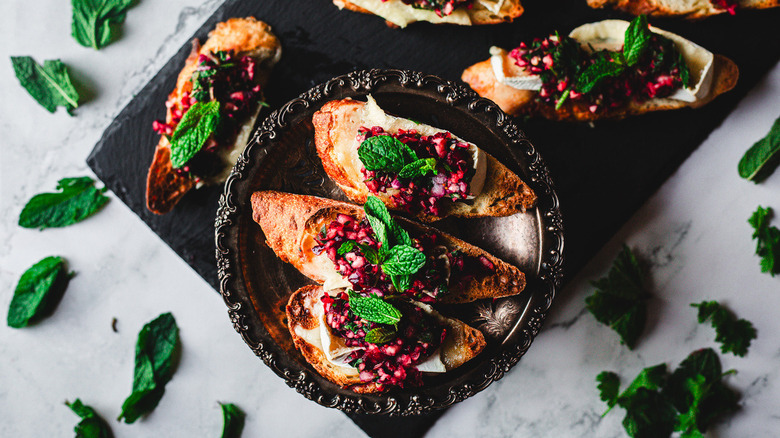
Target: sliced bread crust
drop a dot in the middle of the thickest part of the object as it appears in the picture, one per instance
(291, 222)
(687, 9)
(245, 36)
(337, 123)
(461, 344)
(478, 14)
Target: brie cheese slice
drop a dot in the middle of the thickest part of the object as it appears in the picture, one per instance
(401, 14)
(519, 81)
(493, 6)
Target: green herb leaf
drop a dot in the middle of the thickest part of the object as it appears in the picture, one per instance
(381, 335)
(637, 40)
(373, 309)
(78, 200)
(158, 342)
(649, 415)
(369, 252)
(768, 240)
(49, 84)
(733, 334)
(384, 152)
(619, 300)
(596, 72)
(234, 419)
(380, 232)
(609, 385)
(651, 378)
(91, 424)
(376, 208)
(419, 168)
(401, 283)
(197, 125)
(562, 99)
(95, 22)
(404, 260)
(39, 290)
(346, 246)
(763, 157)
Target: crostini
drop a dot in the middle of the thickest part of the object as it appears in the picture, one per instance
(411, 166)
(212, 110)
(399, 13)
(371, 352)
(608, 69)
(688, 9)
(339, 244)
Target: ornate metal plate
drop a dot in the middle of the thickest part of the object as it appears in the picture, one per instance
(255, 284)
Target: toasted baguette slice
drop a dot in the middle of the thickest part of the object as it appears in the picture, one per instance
(398, 14)
(721, 77)
(246, 37)
(291, 224)
(304, 310)
(336, 126)
(689, 9)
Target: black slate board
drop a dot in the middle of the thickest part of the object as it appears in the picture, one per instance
(603, 172)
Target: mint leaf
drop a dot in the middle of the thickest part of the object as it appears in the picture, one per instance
(197, 125)
(373, 309)
(419, 168)
(369, 252)
(374, 207)
(596, 72)
(384, 152)
(158, 342)
(637, 40)
(380, 335)
(39, 290)
(768, 240)
(401, 283)
(95, 22)
(78, 200)
(91, 424)
(763, 157)
(49, 84)
(733, 334)
(404, 260)
(380, 232)
(234, 419)
(609, 384)
(346, 246)
(619, 299)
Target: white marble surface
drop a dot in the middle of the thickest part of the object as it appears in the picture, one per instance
(694, 230)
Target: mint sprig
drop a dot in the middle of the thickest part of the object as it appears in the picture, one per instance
(49, 84)
(373, 309)
(386, 153)
(403, 260)
(77, 200)
(419, 168)
(763, 157)
(637, 40)
(96, 23)
(198, 124)
(39, 290)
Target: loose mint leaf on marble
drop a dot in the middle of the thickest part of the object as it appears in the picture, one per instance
(155, 350)
(768, 240)
(403, 260)
(596, 72)
(419, 168)
(49, 84)
(373, 309)
(609, 385)
(381, 335)
(77, 200)
(96, 22)
(763, 157)
(619, 300)
(195, 127)
(234, 419)
(386, 153)
(637, 40)
(39, 290)
(91, 424)
(733, 334)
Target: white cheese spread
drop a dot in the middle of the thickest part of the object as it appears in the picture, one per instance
(401, 14)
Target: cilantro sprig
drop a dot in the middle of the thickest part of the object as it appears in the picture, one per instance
(620, 298)
(767, 240)
(733, 334)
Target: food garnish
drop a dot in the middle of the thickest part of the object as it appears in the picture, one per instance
(96, 23)
(49, 84)
(733, 334)
(78, 200)
(39, 290)
(768, 240)
(234, 419)
(763, 157)
(91, 425)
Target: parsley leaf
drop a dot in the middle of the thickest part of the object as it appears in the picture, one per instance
(619, 300)
(95, 22)
(195, 127)
(91, 424)
(733, 334)
(39, 290)
(637, 40)
(385, 152)
(768, 240)
(373, 309)
(234, 419)
(649, 378)
(158, 342)
(609, 385)
(763, 157)
(78, 200)
(404, 260)
(601, 69)
(49, 84)
(419, 168)
(649, 415)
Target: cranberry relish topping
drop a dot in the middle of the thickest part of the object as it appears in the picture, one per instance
(441, 7)
(424, 193)
(392, 363)
(729, 5)
(443, 268)
(560, 61)
(223, 77)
